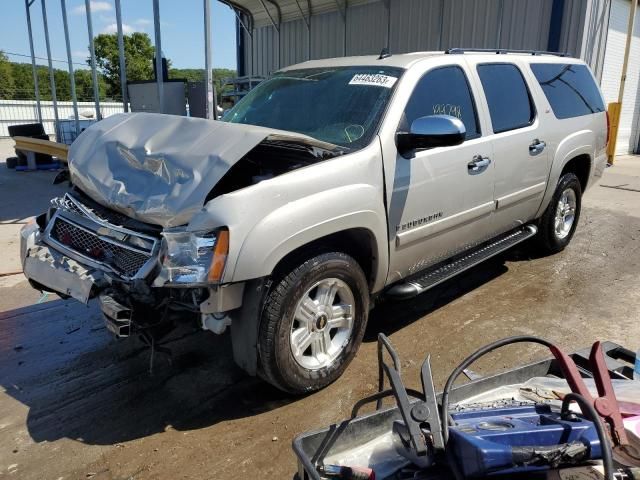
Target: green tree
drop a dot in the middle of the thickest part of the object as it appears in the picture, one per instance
(84, 86)
(138, 52)
(197, 75)
(23, 79)
(7, 83)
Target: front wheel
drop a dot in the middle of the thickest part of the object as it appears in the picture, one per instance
(313, 323)
(560, 219)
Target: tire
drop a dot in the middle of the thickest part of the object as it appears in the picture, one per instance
(326, 339)
(555, 234)
(12, 162)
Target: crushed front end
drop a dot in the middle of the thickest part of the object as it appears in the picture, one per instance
(146, 278)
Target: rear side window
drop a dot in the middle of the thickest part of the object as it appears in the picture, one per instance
(570, 89)
(508, 97)
(443, 91)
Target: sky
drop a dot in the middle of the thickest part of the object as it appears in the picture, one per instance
(182, 26)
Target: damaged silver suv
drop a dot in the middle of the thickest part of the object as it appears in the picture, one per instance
(330, 184)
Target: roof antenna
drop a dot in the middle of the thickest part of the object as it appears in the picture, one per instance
(384, 53)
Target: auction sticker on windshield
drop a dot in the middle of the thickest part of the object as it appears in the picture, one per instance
(373, 79)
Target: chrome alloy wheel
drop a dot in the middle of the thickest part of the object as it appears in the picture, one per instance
(565, 213)
(322, 323)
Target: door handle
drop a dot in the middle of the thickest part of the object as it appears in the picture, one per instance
(537, 147)
(478, 164)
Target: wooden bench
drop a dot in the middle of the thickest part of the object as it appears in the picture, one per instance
(31, 146)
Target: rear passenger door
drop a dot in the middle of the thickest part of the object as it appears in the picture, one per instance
(520, 152)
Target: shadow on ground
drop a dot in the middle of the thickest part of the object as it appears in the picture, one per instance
(80, 383)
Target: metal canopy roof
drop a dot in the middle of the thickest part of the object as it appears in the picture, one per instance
(275, 12)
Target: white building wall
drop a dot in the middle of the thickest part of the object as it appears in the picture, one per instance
(15, 112)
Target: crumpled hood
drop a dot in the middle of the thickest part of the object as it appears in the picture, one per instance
(159, 168)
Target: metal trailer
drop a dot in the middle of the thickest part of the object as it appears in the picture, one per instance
(309, 447)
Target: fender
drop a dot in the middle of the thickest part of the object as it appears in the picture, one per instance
(298, 223)
(578, 143)
(274, 217)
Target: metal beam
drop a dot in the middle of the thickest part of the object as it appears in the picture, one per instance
(273, 22)
(250, 34)
(52, 79)
(27, 4)
(306, 20)
(158, 45)
(246, 29)
(72, 77)
(121, 56)
(211, 112)
(94, 69)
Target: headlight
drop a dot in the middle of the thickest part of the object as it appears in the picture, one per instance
(193, 258)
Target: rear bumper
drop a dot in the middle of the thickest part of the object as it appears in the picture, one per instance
(50, 270)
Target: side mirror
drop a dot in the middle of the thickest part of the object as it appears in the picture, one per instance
(431, 131)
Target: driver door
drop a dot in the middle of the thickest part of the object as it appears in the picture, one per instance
(442, 198)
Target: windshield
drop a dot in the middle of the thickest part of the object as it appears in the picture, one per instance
(339, 105)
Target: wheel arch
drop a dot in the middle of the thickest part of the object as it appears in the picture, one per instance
(359, 243)
(578, 160)
(581, 166)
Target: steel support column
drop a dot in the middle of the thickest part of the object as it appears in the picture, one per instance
(27, 4)
(158, 41)
(121, 57)
(212, 114)
(92, 53)
(52, 79)
(250, 34)
(72, 77)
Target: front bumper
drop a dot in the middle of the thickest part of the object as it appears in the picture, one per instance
(50, 270)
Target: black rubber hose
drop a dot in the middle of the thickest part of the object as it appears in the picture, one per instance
(590, 411)
(444, 413)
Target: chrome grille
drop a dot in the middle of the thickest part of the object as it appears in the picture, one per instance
(102, 238)
(123, 260)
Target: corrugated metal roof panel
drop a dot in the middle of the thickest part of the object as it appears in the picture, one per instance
(289, 9)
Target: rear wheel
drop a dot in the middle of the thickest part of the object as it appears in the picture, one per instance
(560, 219)
(313, 322)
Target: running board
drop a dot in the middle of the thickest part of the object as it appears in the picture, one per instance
(423, 281)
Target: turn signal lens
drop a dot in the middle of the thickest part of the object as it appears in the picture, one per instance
(219, 256)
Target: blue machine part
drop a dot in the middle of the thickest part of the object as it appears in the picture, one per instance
(519, 439)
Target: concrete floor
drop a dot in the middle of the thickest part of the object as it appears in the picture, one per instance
(75, 403)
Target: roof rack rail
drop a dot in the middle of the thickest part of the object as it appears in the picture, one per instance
(502, 51)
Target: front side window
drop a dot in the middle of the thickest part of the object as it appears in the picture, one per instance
(443, 91)
(570, 89)
(510, 105)
(339, 105)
